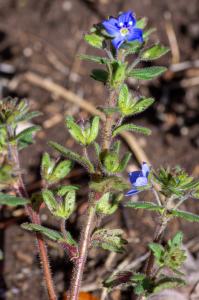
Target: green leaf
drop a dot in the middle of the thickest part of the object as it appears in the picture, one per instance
(61, 170)
(62, 190)
(118, 73)
(100, 75)
(97, 59)
(50, 200)
(142, 105)
(10, 200)
(131, 127)
(111, 183)
(177, 240)
(124, 162)
(147, 33)
(75, 130)
(94, 129)
(111, 161)
(168, 283)
(154, 52)
(27, 132)
(28, 116)
(141, 23)
(145, 205)
(47, 165)
(68, 205)
(158, 250)
(25, 138)
(49, 233)
(109, 239)
(184, 215)
(147, 73)
(105, 206)
(73, 156)
(94, 40)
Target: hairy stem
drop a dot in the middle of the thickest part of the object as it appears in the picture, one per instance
(83, 252)
(34, 216)
(109, 122)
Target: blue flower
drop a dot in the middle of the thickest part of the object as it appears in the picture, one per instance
(123, 29)
(138, 179)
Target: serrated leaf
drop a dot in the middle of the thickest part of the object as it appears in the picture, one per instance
(131, 127)
(184, 215)
(154, 52)
(10, 200)
(49, 233)
(168, 283)
(100, 75)
(93, 58)
(73, 156)
(177, 240)
(109, 239)
(147, 73)
(94, 40)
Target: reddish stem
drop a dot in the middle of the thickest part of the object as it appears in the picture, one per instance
(35, 218)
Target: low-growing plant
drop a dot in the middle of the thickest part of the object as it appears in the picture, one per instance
(123, 43)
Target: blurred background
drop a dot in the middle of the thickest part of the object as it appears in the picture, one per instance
(41, 40)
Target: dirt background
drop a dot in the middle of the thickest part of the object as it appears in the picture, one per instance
(45, 37)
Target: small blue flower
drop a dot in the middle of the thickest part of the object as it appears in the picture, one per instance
(123, 29)
(138, 179)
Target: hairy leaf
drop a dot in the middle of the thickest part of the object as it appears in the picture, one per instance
(73, 156)
(131, 127)
(147, 73)
(10, 200)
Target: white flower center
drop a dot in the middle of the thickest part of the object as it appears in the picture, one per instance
(124, 31)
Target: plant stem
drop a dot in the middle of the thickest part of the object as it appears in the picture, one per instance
(109, 122)
(157, 239)
(34, 216)
(83, 252)
(156, 196)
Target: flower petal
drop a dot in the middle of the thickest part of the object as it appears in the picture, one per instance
(117, 41)
(133, 176)
(127, 17)
(111, 26)
(132, 192)
(145, 169)
(135, 34)
(141, 181)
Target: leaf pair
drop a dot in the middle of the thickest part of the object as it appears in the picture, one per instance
(61, 203)
(84, 135)
(52, 172)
